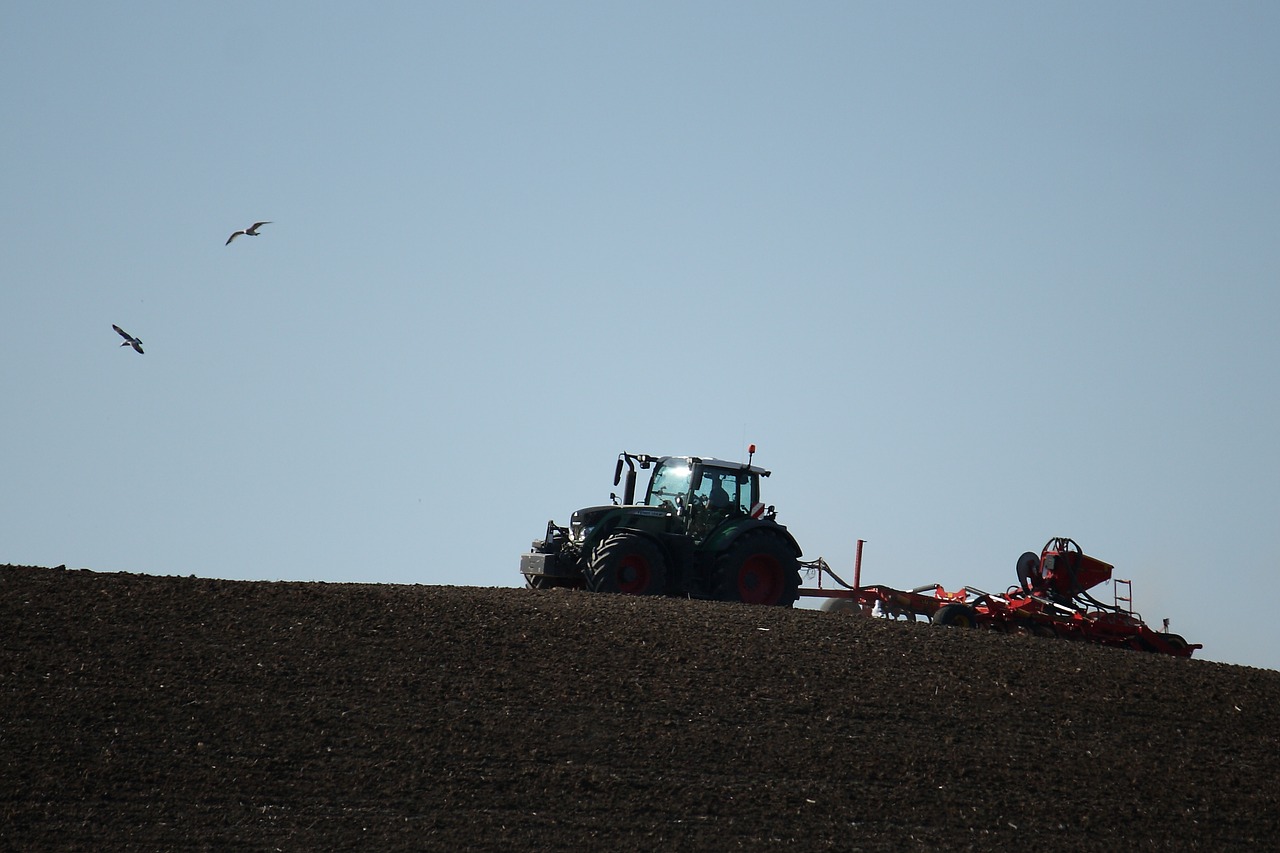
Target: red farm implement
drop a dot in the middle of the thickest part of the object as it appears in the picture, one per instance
(1051, 599)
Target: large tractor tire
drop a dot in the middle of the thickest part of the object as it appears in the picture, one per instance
(758, 568)
(629, 564)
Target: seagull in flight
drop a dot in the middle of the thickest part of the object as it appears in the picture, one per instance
(251, 231)
(129, 340)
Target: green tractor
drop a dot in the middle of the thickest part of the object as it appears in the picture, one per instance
(700, 532)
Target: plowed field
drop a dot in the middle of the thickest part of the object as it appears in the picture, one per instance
(168, 713)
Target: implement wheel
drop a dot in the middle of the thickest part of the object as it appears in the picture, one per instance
(842, 605)
(1028, 568)
(627, 563)
(961, 615)
(758, 568)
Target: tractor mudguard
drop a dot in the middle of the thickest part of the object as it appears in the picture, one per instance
(599, 521)
(604, 520)
(728, 532)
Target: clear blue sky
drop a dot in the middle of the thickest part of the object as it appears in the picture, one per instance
(970, 276)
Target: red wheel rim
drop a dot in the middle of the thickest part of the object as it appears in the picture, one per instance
(760, 580)
(634, 575)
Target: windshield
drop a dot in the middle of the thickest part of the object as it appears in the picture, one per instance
(670, 481)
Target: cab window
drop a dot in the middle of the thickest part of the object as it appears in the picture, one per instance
(723, 489)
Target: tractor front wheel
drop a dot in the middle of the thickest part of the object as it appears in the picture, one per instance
(627, 563)
(759, 568)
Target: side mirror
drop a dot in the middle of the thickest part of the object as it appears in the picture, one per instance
(617, 472)
(695, 482)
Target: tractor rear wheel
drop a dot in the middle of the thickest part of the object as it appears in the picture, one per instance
(627, 563)
(957, 614)
(758, 568)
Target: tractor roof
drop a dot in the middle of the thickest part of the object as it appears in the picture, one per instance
(718, 463)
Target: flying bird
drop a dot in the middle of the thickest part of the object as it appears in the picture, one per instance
(129, 340)
(251, 231)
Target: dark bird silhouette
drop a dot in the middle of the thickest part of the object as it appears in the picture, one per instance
(251, 231)
(129, 340)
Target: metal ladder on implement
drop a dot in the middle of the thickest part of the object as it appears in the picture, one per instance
(1127, 607)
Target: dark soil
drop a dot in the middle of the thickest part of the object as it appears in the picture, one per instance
(165, 713)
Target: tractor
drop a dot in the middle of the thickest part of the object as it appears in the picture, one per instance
(700, 532)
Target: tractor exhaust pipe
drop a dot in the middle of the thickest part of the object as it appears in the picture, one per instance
(629, 490)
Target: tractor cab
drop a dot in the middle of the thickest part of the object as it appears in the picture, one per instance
(700, 530)
(681, 482)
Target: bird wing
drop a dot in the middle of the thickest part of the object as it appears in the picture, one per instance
(234, 234)
(255, 226)
(123, 333)
(137, 345)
